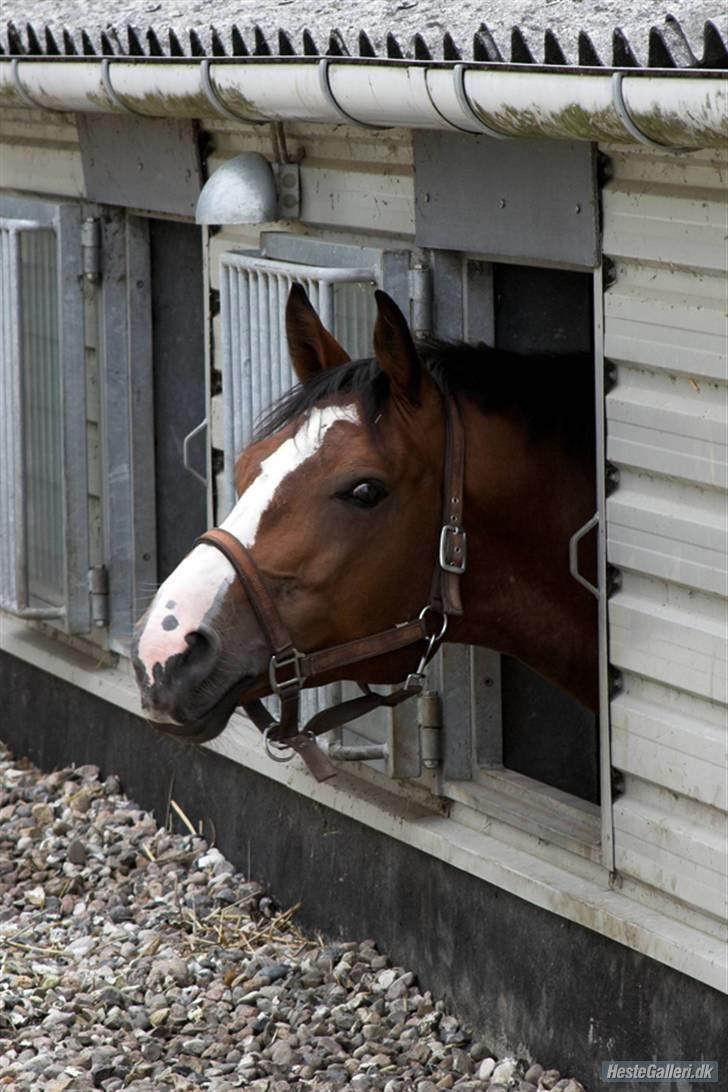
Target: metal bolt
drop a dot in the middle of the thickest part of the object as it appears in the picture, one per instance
(502, 202)
(577, 208)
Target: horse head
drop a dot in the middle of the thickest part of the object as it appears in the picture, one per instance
(340, 510)
(340, 516)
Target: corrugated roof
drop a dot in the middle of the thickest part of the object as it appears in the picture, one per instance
(563, 32)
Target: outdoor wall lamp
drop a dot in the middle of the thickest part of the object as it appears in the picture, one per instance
(250, 190)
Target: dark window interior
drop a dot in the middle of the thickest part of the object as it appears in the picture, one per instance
(179, 385)
(547, 735)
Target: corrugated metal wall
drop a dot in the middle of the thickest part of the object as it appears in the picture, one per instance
(666, 329)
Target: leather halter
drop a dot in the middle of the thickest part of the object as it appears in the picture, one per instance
(290, 670)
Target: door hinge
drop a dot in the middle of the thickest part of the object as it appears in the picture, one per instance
(91, 249)
(420, 290)
(429, 714)
(98, 586)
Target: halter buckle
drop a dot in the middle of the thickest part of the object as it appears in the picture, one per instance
(278, 663)
(453, 549)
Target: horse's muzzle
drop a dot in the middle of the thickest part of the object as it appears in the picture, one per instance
(188, 696)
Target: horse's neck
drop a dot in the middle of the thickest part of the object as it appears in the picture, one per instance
(522, 505)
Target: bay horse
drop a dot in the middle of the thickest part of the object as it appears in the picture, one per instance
(340, 518)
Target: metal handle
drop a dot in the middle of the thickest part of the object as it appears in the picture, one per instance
(574, 554)
(186, 451)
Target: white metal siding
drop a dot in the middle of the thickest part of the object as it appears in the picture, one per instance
(39, 151)
(666, 330)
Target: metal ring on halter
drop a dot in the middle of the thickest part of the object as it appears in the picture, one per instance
(415, 680)
(443, 628)
(269, 744)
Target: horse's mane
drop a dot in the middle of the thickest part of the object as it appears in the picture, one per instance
(553, 395)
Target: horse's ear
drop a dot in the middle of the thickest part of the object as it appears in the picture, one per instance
(395, 350)
(310, 344)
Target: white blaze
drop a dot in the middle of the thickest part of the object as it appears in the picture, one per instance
(197, 581)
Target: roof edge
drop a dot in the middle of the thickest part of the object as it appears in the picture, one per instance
(657, 45)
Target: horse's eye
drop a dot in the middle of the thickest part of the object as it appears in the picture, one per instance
(365, 494)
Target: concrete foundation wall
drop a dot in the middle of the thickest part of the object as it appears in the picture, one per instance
(525, 978)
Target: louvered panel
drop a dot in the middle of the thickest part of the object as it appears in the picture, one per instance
(669, 426)
(667, 321)
(669, 529)
(666, 330)
(256, 366)
(660, 223)
(684, 869)
(674, 843)
(679, 745)
(677, 644)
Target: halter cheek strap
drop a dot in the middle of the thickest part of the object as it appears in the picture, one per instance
(290, 670)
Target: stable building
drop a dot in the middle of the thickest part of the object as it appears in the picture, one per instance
(562, 877)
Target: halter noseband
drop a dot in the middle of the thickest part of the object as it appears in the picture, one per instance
(290, 670)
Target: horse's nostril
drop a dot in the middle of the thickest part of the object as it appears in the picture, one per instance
(203, 649)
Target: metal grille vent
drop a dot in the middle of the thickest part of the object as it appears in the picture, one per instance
(256, 365)
(31, 517)
(43, 442)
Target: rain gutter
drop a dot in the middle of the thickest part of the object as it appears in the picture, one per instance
(664, 108)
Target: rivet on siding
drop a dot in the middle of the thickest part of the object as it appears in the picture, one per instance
(577, 209)
(502, 203)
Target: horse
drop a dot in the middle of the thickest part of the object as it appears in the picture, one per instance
(340, 521)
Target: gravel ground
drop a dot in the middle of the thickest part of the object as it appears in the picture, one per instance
(131, 956)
